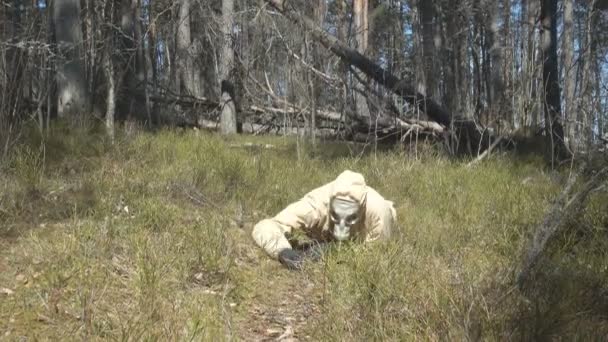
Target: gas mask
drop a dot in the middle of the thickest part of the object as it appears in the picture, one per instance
(344, 214)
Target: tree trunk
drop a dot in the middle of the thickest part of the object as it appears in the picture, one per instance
(315, 88)
(427, 21)
(90, 48)
(13, 85)
(228, 116)
(142, 67)
(507, 53)
(342, 33)
(551, 91)
(185, 57)
(569, 74)
(108, 69)
(111, 93)
(73, 96)
(132, 64)
(456, 57)
(599, 111)
(152, 60)
(361, 28)
(530, 77)
(586, 108)
(496, 86)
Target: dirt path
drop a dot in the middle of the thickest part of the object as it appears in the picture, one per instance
(282, 316)
(281, 304)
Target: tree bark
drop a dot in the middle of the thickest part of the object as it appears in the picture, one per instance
(361, 28)
(108, 69)
(569, 74)
(228, 115)
(153, 56)
(508, 49)
(188, 74)
(551, 91)
(111, 94)
(14, 84)
(315, 86)
(531, 90)
(133, 78)
(342, 33)
(586, 108)
(73, 96)
(456, 17)
(427, 22)
(496, 86)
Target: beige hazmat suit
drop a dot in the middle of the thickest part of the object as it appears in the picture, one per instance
(311, 214)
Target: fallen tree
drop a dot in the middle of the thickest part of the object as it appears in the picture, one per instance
(258, 119)
(465, 137)
(350, 56)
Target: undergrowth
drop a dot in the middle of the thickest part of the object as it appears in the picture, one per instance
(149, 238)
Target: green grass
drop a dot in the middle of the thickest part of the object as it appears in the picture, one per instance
(149, 239)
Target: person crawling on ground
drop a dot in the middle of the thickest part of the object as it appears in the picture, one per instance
(344, 209)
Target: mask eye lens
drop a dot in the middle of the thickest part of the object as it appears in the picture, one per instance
(334, 217)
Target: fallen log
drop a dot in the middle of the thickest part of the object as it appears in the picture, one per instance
(260, 118)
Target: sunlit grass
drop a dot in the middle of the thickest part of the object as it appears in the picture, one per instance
(149, 238)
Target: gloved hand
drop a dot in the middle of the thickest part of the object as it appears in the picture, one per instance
(291, 259)
(316, 251)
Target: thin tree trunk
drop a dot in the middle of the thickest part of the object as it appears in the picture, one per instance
(342, 33)
(427, 21)
(132, 64)
(185, 58)
(361, 28)
(89, 34)
(569, 74)
(15, 59)
(586, 109)
(533, 12)
(319, 14)
(508, 49)
(73, 96)
(151, 61)
(141, 67)
(551, 91)
(111, 94)
(496, 86)
(599, 111)
(228, 115)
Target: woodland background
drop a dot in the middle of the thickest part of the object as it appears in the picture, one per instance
(141, 140)
(509, 66)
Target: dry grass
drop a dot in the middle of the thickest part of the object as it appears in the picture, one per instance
(149, 240)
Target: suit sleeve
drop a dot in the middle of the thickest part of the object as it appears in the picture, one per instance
(269, 234)
(383, 218)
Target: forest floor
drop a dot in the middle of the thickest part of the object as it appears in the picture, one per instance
(149, 239)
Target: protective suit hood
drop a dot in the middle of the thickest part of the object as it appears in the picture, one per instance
(346, 203)
(350, 186)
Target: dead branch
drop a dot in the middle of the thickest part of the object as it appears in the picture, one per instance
(567, 207)
(486, 152)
